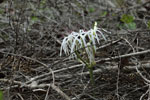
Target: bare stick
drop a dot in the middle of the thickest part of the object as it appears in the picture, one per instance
(98, 61)
(54, 87)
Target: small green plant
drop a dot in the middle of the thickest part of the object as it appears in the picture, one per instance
(148, 24)
(91, 9)
(127, 18)
(1, 11)
(128, 21)
(103, 14)
(34, 19)
(82, 46)
(1, 95)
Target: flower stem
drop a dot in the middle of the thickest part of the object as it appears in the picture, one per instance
(91, 74)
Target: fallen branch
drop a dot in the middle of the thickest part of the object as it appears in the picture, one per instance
(18, 83)
(79, 65)
(123, 56)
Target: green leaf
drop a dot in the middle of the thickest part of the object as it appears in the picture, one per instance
(34, 18)
(104, 14)
(91, 9)
(1, 11)
(131, 25)
(1, 95)
(148, 24)
(127, 18)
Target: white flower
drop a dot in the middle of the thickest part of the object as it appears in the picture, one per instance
(82, 39)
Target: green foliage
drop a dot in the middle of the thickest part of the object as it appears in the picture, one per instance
(1, 11)
(148, 24)
(103, 14)
(131, 25)
(128, 21)
(91, 9)
(34, 18)
(127, 18)
(1, 95)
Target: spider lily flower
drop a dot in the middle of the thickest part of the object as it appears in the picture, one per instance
(82, 39)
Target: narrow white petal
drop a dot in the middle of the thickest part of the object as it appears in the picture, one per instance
(102, 34)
